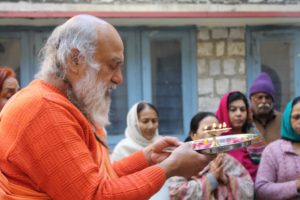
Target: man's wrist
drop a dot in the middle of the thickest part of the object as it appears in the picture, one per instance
(168, 167)
(147, 153)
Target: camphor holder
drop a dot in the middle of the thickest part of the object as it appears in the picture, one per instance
(216, 130)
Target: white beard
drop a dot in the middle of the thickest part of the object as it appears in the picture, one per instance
(93, 98)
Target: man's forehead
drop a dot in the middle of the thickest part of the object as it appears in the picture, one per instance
(261, 94)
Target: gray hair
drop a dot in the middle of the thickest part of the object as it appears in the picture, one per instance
(79, 34)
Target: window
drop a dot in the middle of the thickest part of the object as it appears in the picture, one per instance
(161, 69)
(279, 69)
(21, 49)
(167, 84)
(275, 52)
(10, 52)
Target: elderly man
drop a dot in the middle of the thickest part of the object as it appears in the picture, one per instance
(52, 144)
(8, 85)
(266, 119)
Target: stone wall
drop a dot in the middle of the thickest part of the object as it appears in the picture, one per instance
(221, 65)
(228, 2)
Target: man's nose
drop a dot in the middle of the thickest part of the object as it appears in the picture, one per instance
(117, 77)
(264, 99)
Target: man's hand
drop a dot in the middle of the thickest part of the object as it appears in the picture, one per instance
(154, 153)
(184, 161)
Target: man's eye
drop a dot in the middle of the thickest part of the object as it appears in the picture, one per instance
(113, 67)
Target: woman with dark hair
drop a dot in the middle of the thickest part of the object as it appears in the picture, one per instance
(234, 111)
(141, 130)
(278, 176)
(231, 103)
(195, 122)
(8, 85)
(224, 178)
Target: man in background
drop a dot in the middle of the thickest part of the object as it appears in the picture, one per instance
(267, 120)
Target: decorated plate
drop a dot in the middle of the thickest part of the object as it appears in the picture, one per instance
(218, 144)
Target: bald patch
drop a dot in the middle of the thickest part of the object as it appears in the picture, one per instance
(106, 33)
(86, 19)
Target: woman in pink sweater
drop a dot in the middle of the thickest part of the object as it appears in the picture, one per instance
(278, 175)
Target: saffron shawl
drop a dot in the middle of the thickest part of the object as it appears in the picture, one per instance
(240, 184)
(133, 140)
(11, 191)
(242, 155)
(103, 160)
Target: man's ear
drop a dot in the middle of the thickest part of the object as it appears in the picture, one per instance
(75, 61)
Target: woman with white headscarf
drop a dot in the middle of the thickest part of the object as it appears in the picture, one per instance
(141, 130)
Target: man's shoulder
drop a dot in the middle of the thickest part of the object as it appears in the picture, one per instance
(278, 116)
(277, 113)
(35, 99)
(41, 93)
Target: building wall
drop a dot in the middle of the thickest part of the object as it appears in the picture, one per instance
(163, 1)
(221, 65)
(221, 51)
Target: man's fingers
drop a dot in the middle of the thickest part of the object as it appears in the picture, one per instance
(172, 141)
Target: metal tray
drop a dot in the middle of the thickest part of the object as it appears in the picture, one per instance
(225, 143)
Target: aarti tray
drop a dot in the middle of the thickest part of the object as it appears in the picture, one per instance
(219, 144)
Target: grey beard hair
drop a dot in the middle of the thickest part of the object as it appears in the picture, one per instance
(72, 97)
(264, 115)
(91, 98)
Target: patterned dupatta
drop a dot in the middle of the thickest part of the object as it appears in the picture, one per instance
(239, 186)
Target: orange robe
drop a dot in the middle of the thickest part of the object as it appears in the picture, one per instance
(48, 147)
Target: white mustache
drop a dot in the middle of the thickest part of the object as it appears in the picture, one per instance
(112, 86)
(264, 105)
